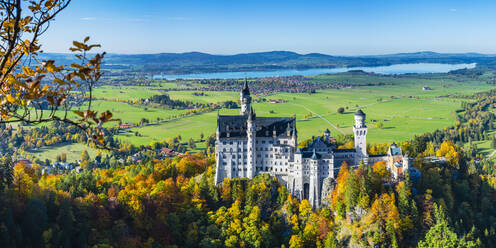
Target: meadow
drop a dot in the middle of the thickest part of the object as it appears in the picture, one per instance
(400, 104)
(73, 152)
(403, 108)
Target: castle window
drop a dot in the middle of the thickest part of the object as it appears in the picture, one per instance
(263, 141)
(230, 143)
(285, 142)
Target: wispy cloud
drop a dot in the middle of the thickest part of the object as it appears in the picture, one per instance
(453, 10)
(138, 19)
(178, 18)
(87, 18)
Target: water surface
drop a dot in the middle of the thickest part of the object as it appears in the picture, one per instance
(388, 70)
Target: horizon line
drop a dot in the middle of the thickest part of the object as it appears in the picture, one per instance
(288, 51)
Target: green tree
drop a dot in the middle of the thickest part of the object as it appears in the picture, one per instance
(441, 235)
(6, 172)
(65, 220)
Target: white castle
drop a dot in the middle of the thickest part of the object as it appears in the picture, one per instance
(247, 145)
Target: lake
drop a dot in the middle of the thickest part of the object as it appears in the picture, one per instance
(388, 70)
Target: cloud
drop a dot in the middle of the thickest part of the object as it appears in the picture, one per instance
(453, 10)
(138, 19)
(178, 18)
(87, 18)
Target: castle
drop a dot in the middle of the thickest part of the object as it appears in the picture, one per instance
(247, 145)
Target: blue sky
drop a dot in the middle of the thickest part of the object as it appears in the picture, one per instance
(345, 27)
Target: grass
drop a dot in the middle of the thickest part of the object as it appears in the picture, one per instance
(403, 108)
(210, 96)
(402, 116)
(72, 150)
(133, 113)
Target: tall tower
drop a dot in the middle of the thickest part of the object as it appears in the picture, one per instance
(251, 133)
(245, 99)
(360, 131)
(327, 136)
(219, 175)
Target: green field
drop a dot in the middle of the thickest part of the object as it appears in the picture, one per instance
(402, 116)
(73, 152)
(401, 106)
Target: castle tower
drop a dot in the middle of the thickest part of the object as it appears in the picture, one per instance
(251, 134)
(245, 99)
(294, 138)
(219, 177)
(314, 196)
(360, 131)
(327, 136)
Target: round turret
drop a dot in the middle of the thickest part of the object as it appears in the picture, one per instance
(360, 113)
(359, 119)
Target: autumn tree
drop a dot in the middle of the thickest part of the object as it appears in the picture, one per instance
(33, 90)
(385, 220)
(448, 150)
(23, 180)
(380, 170)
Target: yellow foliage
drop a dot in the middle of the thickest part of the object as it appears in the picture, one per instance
(448, 151)
(380, 169)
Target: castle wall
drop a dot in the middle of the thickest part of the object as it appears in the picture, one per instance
(306, 177)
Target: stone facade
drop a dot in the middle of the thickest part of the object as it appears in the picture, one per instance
(247, 145)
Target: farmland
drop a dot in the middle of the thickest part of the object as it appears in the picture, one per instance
(403, 108)
(400, 104)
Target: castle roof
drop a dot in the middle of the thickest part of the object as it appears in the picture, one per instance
(360, 113)
(314, 155)
(236, 126)
(311, 154)
(344, 150)
(245, 91)
(395, 150)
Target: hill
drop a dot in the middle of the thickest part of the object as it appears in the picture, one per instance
(197, 62)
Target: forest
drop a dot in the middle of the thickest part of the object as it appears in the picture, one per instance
(173, 202)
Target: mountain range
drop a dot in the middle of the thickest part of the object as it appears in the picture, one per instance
(197, 62)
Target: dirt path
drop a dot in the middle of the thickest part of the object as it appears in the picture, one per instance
(317, 115)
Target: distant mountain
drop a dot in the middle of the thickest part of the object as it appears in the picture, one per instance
(429, 54)
(197, 62)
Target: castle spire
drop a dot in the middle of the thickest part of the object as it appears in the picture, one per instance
(252, 115)
(246, 90)
(245, 99)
